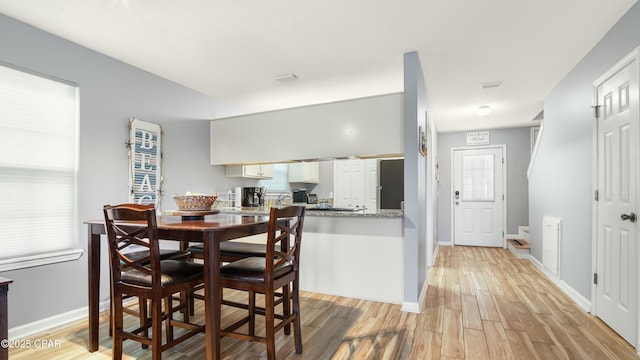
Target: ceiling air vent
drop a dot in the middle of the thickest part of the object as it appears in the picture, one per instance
(286, 78)
(491, 84)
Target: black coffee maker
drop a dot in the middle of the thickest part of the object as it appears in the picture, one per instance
(253, 196)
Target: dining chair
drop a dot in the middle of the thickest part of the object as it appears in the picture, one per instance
(230, 251)
(149, 278)
(141, 311)
(278, 269)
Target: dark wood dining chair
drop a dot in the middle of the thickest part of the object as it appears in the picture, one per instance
(141, 311)
(278, 269)
(149, 278)
(230, 251)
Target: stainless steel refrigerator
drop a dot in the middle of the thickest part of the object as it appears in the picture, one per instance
(391, 183)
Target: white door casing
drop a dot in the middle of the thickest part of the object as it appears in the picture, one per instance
(371, 183)
(478, 197)
(616, 184)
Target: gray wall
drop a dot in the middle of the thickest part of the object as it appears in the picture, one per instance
(518, 154)
(560, 183)
(432, 191)
(415, 227)
(110, 93)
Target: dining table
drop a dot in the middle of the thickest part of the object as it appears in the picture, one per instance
(208, 230)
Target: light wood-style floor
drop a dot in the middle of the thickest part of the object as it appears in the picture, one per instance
(481, 303)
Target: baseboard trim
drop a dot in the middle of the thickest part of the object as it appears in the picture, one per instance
(583, 302)
(434, 257)
(413, 307)
(43, 325)
(445, 243)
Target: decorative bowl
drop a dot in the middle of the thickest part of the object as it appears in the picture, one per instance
(194, 202)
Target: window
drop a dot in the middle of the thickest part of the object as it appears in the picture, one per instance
(280, 180)
(38, 156)
(477, 178)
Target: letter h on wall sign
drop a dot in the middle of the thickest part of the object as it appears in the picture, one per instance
(145, 157)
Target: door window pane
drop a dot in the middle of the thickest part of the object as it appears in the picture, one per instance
(478, 178)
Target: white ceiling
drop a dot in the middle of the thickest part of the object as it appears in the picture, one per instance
(233, 50)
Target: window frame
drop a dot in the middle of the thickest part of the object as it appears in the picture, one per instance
(71, 250)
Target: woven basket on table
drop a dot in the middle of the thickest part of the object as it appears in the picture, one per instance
(195, 202)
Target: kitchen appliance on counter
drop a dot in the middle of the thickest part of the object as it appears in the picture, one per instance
(300, 196)
(253, 196)
(312, 199)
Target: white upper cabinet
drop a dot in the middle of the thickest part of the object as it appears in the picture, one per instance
(304, 172)
(250, 171)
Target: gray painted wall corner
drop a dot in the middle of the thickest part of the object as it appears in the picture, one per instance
(560, 182)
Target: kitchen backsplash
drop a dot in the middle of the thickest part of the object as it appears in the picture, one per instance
(226, 201)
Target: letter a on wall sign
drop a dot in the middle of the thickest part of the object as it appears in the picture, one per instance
(145, 155)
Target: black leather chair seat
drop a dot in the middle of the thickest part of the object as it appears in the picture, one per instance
(173, 271)
(165, 254)
(235, 249)
(252, 269)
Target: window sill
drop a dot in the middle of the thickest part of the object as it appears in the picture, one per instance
(40, 259)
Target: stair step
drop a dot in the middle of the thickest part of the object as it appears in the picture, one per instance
(519, 243)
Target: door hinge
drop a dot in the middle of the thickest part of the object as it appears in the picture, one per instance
(596, 110)
(595, 278)
(502, 197)
(596, 195)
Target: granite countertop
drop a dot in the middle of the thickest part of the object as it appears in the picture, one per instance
(380, 213)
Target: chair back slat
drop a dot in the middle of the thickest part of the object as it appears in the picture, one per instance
(133, 226)
(285, 225)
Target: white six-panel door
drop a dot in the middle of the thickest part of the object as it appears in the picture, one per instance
(617, 183)
(478, 197)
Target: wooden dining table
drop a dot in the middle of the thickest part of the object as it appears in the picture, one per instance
(210, 231)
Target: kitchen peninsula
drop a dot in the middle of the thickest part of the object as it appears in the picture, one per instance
(355, 254)
(358, 254)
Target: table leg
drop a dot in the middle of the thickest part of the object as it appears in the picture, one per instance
(4, 327)
(93, 259)
(212, 301)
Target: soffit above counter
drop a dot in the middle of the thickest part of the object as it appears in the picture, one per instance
(371, 127)
(379, 156)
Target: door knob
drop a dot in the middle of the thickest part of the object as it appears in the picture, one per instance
(631, 217)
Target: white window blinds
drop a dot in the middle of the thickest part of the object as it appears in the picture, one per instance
(38, 152)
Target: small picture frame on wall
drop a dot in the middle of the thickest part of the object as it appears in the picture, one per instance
(422, 141)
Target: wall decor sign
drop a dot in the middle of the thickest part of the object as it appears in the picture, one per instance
(478, 138)
(422, 141)
(145, 156)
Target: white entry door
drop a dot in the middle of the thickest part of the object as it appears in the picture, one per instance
(617, 157)
(478, 197)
